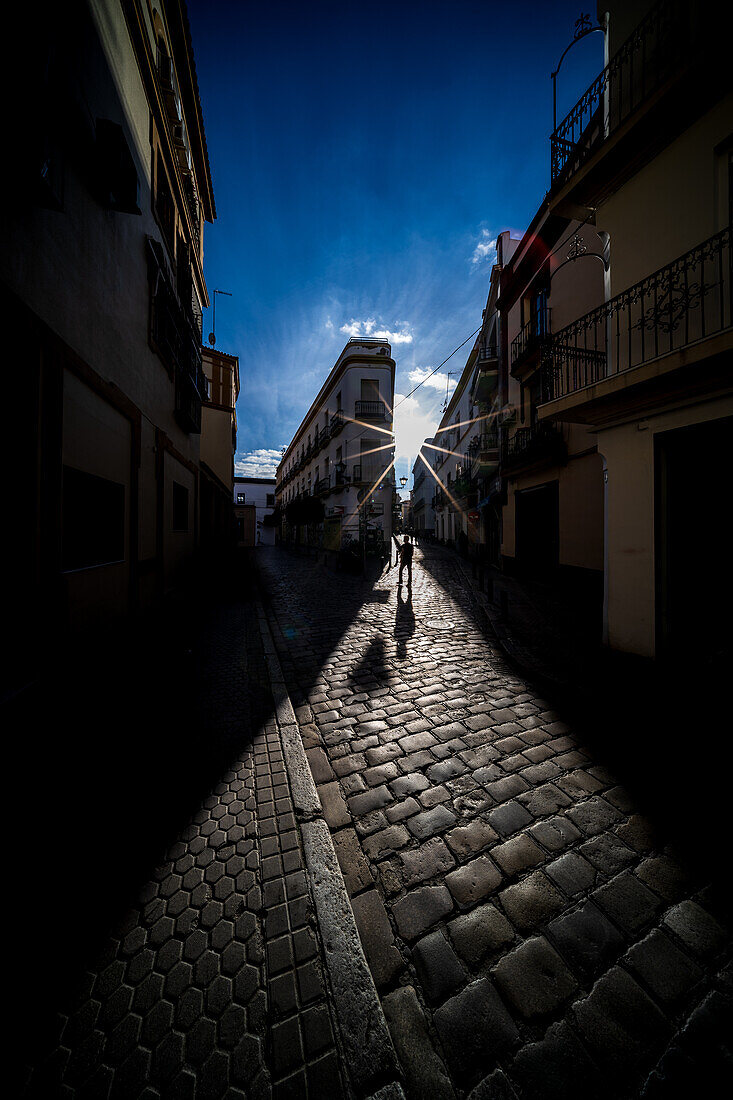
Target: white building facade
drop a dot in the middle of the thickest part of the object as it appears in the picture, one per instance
(423, 492)
(335, 482)
(258, 493)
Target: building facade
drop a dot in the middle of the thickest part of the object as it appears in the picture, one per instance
(645, 156)
(335, 482)
(552, 475)
(218, 445)
(254, 507)
(103, 291)
(423, 492)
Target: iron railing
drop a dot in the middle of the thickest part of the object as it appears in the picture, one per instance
(486, 441)
(487, 353)
(336, 423)
(682, 303)
(533, 334)
(372, 410)
(322, 485)
(528, 445)
(654, 52)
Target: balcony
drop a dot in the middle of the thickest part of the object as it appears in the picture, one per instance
(672, 319)
(487, 375)
(439, 499)
(533, 447)
(336, 423)
(649, 86)
(322, 486)
(483, 452)
(370, 410)
(530, 340)
(463, 484)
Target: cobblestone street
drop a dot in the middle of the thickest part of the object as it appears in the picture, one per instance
(530, 931)
(182, 958)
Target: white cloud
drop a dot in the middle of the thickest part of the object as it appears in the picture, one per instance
(329, 325)
(259, 463)
(369, 327)
(438, 381)
(486, 247)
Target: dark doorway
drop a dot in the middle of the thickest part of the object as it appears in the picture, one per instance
(538, 528)
(694, 581)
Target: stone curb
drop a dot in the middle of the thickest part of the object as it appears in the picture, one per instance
(368, 1053)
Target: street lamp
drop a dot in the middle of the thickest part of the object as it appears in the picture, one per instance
(403, 481)
(583, 27)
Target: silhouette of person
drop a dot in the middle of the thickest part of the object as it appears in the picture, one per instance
(405, 552)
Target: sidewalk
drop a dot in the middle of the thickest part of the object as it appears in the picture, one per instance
(212, 979)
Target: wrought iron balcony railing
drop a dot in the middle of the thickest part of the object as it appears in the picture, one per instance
(654, 52)
(681, 304)
(322, 485)
(370, 410)
(487, 353)
(485, 441)
(533, 444)
(336, 422)
(533, 335)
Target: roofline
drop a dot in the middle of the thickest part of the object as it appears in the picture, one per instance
(336, 371)
(181, 26)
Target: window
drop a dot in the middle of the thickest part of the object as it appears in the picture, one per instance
(93, 520)
(370, 389)
(240, 498)
(270, 500)
(180, 507)
(117, 179)
(165, 210)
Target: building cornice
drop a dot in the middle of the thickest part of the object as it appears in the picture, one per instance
(337, 372)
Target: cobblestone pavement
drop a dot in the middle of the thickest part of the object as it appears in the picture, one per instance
(531, 932)
(207, 981)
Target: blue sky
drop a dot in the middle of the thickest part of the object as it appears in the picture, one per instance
(364, 158)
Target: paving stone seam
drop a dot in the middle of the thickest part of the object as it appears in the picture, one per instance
(366, 1042)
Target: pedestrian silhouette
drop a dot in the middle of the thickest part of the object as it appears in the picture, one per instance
(405, 556)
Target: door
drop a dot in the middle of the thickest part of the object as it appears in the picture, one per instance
(694, 581)
(538, 527)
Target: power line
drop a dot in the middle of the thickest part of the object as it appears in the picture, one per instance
(417, 387)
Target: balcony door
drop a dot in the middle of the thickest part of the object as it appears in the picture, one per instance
(538, 528)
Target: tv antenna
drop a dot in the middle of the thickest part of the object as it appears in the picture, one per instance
(448, 377)
(212, 334)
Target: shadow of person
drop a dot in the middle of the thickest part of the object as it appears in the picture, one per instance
(404, 626)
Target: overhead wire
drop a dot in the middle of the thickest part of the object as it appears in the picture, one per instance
(476, 331)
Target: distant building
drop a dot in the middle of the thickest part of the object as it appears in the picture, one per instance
(423, 491)
(406, 510)
(103, 291)
(254, 502)
(336, 479)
